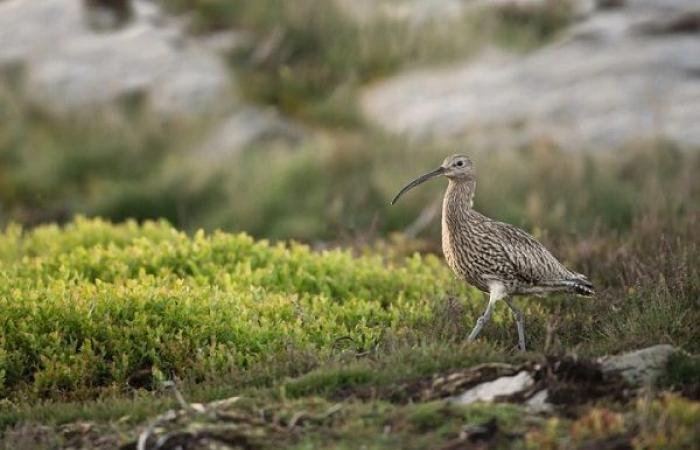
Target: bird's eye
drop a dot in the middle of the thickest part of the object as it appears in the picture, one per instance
(460, 163)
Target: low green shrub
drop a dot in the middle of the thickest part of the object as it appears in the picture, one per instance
(93, 305)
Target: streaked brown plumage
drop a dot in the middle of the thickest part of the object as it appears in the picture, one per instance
(493, 256)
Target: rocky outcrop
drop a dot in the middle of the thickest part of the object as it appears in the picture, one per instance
(72, 58)
(69, 66)
(623, 74)
(565, 381)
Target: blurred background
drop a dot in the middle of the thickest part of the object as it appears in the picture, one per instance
(300, 119)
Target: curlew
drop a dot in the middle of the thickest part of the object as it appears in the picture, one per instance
(495, 257)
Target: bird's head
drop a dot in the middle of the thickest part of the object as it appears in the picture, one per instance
(455, 167)
(458, 167)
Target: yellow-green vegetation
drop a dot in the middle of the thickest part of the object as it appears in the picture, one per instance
(88, 306)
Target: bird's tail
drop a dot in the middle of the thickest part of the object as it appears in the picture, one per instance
(575, 283)
(580, 285)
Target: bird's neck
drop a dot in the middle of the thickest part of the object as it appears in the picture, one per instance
(459, 196)
(456, 217)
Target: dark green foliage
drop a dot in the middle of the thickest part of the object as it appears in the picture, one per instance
(329, 382)
(683, 374)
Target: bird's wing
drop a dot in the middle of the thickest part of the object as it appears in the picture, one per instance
(530, 261)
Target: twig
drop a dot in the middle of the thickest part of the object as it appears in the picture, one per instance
(169, 416)
(303, 414)
(424, 219)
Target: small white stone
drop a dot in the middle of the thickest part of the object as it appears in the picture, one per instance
(538, 402)
(502, 386)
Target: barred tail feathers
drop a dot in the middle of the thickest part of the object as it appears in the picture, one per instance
(578, 284)
(581, 286)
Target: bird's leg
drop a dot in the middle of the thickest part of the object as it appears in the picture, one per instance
(520, 322)
(496, 293)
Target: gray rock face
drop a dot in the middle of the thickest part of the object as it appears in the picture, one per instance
(622, 75)
(69, 66)
(640, 367)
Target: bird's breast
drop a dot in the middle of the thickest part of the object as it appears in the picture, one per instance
(460, 254)
(452, 242)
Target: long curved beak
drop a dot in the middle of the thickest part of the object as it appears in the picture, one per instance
(421, 179)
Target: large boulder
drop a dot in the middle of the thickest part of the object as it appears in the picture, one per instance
(69, 65)
(626, 73)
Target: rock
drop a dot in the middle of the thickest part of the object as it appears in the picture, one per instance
(624, 74)
(69, 66)
(640, 367)
(245, 127)
(538, 402)
(502, 386)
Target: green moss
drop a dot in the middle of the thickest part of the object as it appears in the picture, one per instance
(329, 382)
(683, 370)
(437, 414)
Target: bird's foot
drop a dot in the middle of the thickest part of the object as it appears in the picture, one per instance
(520, 323)
(477, 328)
